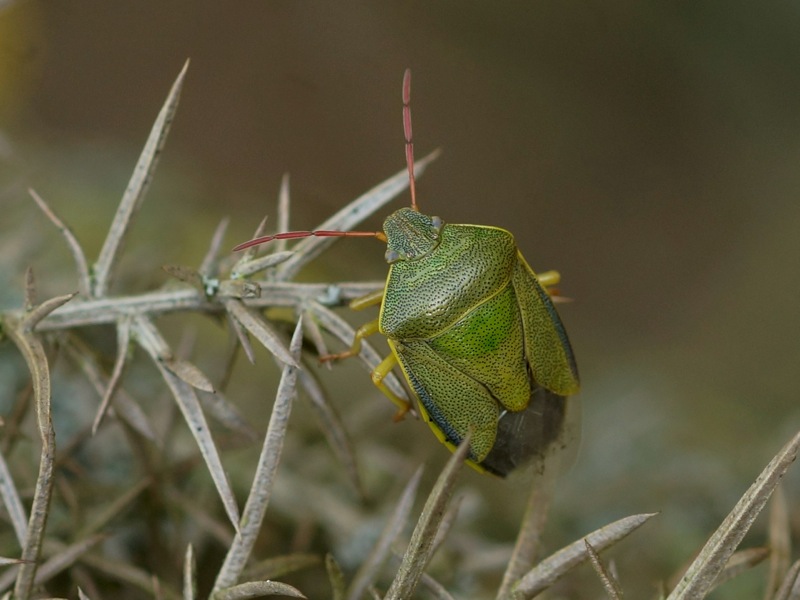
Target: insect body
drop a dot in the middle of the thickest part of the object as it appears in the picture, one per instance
(473, 330)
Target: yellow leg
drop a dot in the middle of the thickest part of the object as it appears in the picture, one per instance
(367, 301)
(365, 330)
(549, 278)
(386, 365)
(381, 371)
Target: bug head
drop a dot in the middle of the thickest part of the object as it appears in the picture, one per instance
(410, 235)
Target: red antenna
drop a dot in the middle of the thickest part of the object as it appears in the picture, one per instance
(409, 137)
(291, 235)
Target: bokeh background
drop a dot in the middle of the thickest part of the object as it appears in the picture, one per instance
(647, 150)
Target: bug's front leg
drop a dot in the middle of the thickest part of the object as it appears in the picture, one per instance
(367, 300)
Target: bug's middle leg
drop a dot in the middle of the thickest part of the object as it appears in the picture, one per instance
(385, 366)
(378, 373)
(365, 330)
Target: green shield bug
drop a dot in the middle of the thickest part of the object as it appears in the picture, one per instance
(472, 328)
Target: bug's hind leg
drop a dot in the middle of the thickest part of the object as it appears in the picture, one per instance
(548, 278)
(378, 374)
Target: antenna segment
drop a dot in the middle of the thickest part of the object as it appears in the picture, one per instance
(409, 138)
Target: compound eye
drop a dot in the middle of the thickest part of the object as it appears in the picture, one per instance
(437, 223)
(392, 256)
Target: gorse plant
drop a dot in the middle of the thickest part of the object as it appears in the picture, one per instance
(72, 532)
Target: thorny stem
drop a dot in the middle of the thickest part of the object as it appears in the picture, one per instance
(33, 351)
(204, 293)
(112, 309)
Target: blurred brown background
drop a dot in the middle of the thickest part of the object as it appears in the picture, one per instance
(647, 150)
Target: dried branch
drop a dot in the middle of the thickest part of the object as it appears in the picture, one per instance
(368, 571)
(780, 542)
(12, 502)
(610, 583)
(528, 541)
(210, 265)
(189, 575)
(257, 589)
(33, 352)
(261, 490)
(137, 187)
(699, 577)
(106, 311)
(34, 316)
(261, 330)
(547, 572)
(123, 344)
(150, 339)
(74, 246)
(420, 548)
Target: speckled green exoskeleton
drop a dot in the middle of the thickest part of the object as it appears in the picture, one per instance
(473, 330)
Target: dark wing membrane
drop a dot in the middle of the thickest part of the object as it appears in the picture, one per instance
(546, 344)
(528, 435)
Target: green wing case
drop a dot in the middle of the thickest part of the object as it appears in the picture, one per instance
(547, 347)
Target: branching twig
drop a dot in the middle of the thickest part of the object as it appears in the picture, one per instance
(33, 351)
(107, 311)
(137, 187)
(72, 242)
(260, 491)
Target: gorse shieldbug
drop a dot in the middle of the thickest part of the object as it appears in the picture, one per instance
(472, 328)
